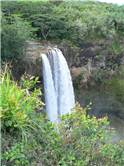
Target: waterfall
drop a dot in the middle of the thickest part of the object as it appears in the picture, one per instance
(58, 88)
(49, 90)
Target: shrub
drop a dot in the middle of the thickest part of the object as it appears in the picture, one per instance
(18, 115)
(100, 75)
(28, 138)
(15, 111)
(15, 33)
(116, 87)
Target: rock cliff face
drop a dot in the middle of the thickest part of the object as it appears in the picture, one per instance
(81, 60)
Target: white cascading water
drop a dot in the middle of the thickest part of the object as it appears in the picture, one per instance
(58, 88)
(49, 90)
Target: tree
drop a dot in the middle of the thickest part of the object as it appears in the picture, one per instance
(15, 32)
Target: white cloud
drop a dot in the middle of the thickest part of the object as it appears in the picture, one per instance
(120, 2)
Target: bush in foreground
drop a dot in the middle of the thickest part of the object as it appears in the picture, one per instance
(28, 138)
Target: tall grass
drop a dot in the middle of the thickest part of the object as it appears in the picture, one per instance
(17, 104)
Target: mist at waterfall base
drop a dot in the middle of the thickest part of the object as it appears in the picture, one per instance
(58, 87)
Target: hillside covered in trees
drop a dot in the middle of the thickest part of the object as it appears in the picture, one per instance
(77, 22)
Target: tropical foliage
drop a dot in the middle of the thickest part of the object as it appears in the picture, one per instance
(78, 22)
(15, 33)
(28, 138)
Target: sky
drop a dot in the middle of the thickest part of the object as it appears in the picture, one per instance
(119, 2)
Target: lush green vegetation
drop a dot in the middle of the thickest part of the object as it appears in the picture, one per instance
(78, 22)
(115, 86)
(28, 138)
(15, 32)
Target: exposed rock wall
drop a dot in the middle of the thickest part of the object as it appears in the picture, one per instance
(81, 60)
